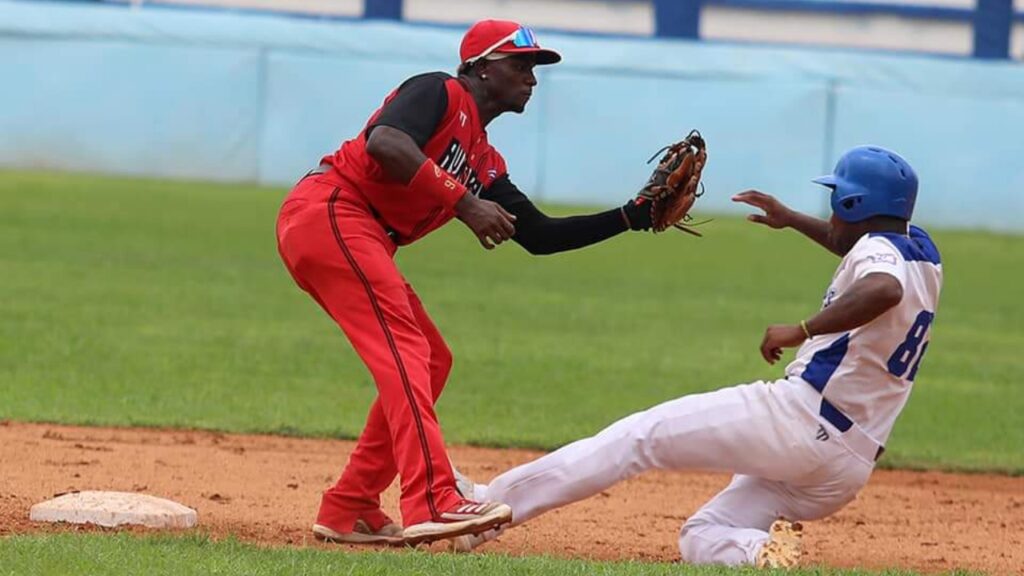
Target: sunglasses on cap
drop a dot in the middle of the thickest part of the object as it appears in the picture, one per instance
(522, 38)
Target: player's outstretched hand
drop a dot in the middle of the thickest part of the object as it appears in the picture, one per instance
(779, 336)
(488, 220)
(776, 214)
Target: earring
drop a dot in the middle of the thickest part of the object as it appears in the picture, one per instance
(483, 76)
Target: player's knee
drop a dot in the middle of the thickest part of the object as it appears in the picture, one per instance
(695, 546)
(692, 525)
(689, 545)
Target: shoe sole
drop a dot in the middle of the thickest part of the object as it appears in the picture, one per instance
(432, 531)
(325, 534)
(469, 542)
(464, 544)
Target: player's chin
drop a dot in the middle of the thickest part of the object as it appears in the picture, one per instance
(519, 106)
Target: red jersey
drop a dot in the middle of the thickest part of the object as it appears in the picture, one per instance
(439, 113)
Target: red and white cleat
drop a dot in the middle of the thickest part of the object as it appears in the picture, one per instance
(466, 517)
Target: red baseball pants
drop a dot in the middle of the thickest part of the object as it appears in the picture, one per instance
(340, 254)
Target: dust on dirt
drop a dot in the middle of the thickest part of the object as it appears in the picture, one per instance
(265, 489)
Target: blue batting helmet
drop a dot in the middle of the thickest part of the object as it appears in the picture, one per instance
(871, 181)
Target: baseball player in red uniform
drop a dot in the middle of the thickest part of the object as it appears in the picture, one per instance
(422, 159)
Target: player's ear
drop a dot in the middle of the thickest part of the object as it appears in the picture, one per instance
(481, 67)
(477, 69)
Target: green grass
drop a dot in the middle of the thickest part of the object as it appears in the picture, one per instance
(137, 302)
(117, 555)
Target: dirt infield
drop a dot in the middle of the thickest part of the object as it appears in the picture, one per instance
(266, 489)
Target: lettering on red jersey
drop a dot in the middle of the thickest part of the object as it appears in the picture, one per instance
(454, 162)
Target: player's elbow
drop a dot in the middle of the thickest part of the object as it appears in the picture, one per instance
(389, 145)
(378, 146)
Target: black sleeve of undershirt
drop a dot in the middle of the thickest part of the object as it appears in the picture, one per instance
(539, 233)
(417, 108)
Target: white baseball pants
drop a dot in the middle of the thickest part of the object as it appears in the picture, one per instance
(788, 462)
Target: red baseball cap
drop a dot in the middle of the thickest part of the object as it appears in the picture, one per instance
(488, 37)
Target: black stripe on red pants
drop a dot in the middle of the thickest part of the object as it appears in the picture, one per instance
(406, 385)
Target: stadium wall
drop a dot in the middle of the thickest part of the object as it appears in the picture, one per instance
(257, 98)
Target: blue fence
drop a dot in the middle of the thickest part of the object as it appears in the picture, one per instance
(260, 98)
(991, 20)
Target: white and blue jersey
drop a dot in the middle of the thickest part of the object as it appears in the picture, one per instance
(865, 375)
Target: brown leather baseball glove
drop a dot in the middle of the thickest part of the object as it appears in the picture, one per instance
(675, 184)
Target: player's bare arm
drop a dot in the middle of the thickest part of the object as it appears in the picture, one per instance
(777, 215)
(400, 157)
(396, 152)
(867, 299)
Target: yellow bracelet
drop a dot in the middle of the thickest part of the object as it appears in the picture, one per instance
(803, 324)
